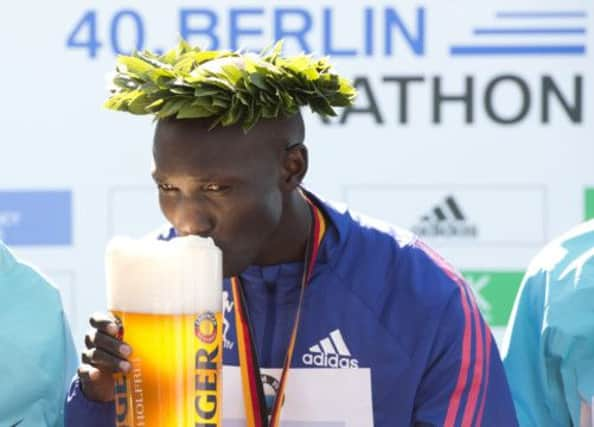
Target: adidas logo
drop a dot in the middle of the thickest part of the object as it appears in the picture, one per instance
(445, 220)
(331, 352)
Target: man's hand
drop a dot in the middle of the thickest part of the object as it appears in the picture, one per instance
(106, 354)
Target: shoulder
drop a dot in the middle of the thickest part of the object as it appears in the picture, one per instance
(398, 276)
(563, 266)
(574, 246)
(578, 263)
(568, 284)
(556, 298)
(32, 307)
(405, 262)
(21, 279)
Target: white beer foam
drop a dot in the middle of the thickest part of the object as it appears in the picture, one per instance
(181, 276)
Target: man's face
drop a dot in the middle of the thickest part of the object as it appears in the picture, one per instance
(221, 184)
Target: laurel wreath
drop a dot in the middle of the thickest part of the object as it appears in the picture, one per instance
(231, 87)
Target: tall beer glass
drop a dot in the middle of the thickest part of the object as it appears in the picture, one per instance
(168, 298)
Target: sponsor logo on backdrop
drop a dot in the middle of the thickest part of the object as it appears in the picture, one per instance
(445, 219)
(494, 293)
(511, 215)
(589, 203)
(36, 218)
(330, 352)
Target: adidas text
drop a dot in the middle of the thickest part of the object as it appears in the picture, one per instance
(450, 230)
(329, 361)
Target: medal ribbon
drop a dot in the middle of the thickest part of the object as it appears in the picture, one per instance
(256, 410)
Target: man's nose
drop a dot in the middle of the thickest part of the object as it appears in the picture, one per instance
(194, 219)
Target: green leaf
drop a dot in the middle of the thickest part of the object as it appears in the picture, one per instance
(183, 47)
(206, 90)
(220, 83)
(259, 80)
(170, 56)
(171, 107)
(181, 90)
(114, 103)
(190, 111)
(138, 104)
(153, 106)
(321, 106)
(135, 65)
(244, 97)
(232, 73)
(184, 64)
(218, 102)
(125, 82)
(209, 55)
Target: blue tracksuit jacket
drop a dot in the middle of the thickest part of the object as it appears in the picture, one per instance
(388, 330)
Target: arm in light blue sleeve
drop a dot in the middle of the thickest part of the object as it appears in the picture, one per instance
(70, 354)
(534, 381)
(40, 356)
(549, 345)
(570, 320)
(83, 412)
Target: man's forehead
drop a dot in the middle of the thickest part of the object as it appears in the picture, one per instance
(218, 144)
(214, 149)
(277, 132)
(210, 156)
(201, 165)
(197, 160)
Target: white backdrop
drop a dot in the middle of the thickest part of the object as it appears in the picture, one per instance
(486, 193)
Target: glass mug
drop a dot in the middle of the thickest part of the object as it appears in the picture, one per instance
(167, 297)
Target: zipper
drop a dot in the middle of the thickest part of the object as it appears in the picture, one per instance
(269, 325)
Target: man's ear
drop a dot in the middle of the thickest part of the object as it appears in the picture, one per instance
(294, 167)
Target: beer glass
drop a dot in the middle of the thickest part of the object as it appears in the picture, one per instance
(168, 298)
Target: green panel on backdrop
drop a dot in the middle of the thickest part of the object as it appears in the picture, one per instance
(494, 292)
(589, 203)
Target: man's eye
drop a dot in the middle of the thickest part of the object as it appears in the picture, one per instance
(215, 188)
(165, 187)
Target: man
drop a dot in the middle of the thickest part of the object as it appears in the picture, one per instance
(377, 301)
(38, 358)
(549, 345)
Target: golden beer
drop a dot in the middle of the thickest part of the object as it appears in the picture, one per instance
(168, 297)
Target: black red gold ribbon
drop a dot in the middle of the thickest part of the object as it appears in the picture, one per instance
(253, 391)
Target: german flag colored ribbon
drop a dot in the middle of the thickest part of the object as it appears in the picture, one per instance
(253, 391)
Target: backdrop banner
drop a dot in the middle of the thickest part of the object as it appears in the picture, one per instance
(473, 125)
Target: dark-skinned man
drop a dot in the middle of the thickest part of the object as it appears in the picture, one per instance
(380, 309)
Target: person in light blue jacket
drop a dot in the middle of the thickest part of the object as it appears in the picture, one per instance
(37, 354)
(548, 349)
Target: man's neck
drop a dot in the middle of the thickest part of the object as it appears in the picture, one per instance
(288, 242)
